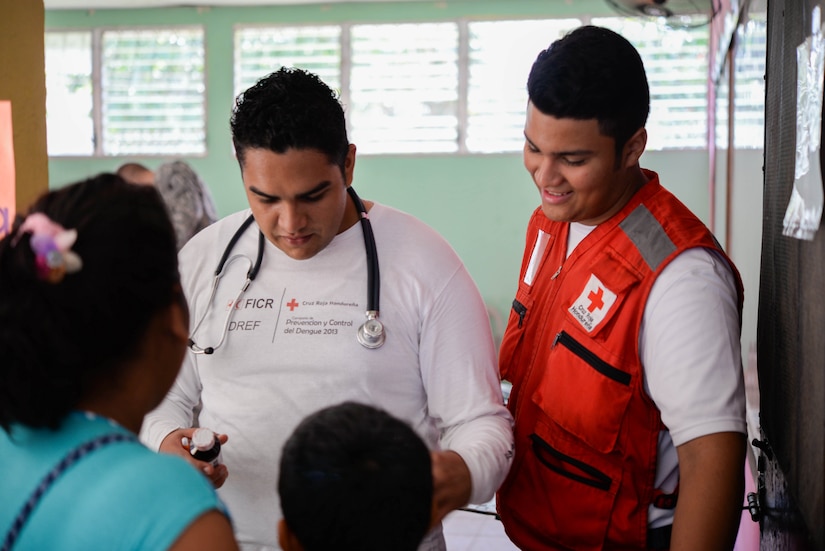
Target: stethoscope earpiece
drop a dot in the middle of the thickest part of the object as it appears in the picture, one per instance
(371, 332)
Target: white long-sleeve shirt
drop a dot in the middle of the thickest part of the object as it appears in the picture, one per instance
(291, 349)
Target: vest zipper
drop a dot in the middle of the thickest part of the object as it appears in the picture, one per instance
(591, 359)
(521, 310)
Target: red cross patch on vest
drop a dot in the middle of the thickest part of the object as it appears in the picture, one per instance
(593, 304)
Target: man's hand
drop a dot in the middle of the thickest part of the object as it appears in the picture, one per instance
(452, 484)
(175, 444)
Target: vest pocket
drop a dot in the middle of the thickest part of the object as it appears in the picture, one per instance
(568, 466)
(570, 500)
(584, 393)
(591, 359)
(514, 334)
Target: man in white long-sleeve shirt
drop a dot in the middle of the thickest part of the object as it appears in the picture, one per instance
(286, 346)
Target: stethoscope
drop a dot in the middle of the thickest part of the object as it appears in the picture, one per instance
(371, 332)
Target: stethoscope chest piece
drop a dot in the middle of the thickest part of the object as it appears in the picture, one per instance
(371, 332)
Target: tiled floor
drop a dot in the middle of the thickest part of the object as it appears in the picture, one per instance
(468, 531)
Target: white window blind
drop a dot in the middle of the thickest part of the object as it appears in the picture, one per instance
(153, 90)
(501, 54)
(260, 51)
(69, 105)
(749, 82)
(404, 88)
(446, 87)
(722, 102)
(676, 61)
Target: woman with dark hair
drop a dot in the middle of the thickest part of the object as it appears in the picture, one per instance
(93, 328)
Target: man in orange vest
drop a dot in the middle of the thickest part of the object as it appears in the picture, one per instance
(623, 341)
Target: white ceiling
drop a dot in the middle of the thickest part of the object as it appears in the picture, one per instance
(109, 4)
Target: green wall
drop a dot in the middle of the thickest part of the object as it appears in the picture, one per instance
(480, 203)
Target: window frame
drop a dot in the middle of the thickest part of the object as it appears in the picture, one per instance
(463, 70)
(97, 33)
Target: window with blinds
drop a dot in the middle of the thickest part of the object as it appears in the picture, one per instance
(749, 87)
(126, 92)
(404, 88)
(676, 62)
(262, 50)
(69, 106)
(432, 87)
(500, 56)
(153, 92)
(749, 74)
(461, 86)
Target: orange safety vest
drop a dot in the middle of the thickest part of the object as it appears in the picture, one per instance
(586, 431)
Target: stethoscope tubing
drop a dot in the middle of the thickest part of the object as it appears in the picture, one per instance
(373, 278)
(253, 270)
(373, 273)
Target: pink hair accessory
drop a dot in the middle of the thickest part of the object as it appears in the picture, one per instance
(52, 245)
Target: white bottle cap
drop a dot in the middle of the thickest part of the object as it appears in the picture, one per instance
(203, 439)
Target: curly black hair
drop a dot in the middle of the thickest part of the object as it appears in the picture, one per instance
(290, 108)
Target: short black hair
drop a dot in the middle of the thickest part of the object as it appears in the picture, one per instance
(592, 73)
(60, 340)
(290, 108)
(353, 476)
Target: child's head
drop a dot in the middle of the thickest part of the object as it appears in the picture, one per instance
(354, 477)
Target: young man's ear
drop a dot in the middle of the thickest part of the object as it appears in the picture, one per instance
(634, 148)
(349, 165)
(287, 539)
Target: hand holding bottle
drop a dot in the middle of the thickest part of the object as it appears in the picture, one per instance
(178, 442)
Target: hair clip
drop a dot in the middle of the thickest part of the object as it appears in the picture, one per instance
(52, 245)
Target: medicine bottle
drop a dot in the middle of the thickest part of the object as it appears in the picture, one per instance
(205, 446)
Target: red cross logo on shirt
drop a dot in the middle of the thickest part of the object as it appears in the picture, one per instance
(596, 302)
(293, 304)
